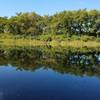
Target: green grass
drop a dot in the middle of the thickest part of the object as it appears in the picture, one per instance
(53, 40)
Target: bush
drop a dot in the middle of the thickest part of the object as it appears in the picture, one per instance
(98, 39)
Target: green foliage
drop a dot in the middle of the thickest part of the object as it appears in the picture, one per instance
(98, 39)
(69, 23)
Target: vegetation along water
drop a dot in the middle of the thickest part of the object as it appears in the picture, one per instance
(54, 57)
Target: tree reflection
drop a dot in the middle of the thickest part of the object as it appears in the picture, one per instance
(60, 60)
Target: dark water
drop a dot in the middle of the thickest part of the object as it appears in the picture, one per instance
(49, 74)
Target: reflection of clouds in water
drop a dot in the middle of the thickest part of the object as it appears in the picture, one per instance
(99, 57)
(1, 96)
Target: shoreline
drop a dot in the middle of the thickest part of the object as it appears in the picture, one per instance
(34, 42)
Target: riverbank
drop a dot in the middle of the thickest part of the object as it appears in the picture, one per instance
(67, 43)
(58, 40)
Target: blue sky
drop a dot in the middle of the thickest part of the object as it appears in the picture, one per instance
(42, 7)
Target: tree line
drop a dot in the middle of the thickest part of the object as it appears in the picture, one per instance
(76, 22)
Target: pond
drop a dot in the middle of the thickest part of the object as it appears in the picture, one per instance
(46, 73)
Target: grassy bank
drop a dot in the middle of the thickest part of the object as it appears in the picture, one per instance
(57, 40)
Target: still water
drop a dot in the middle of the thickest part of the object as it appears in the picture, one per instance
(49, 74)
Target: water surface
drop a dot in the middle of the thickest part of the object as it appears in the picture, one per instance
(49, 74)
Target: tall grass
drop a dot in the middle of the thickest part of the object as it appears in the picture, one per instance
(54, 40)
